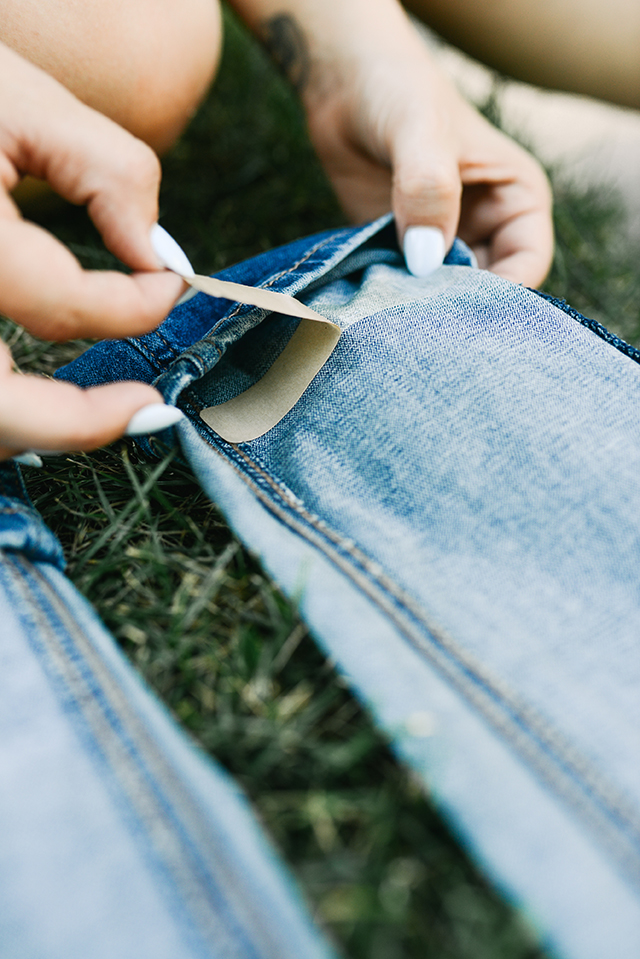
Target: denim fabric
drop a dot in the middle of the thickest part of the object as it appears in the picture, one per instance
(453, 502)
(119, 839)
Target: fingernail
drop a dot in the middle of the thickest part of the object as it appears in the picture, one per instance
(169, 252)
(153, 418)
(186, 296)
(28, 459)
(424, 249)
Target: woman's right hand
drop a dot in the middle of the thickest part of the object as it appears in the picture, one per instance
(46, 132)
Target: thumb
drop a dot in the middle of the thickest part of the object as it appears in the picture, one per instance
(425, 199)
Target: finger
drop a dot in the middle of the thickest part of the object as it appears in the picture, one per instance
(43, 414)
(426, 196)
(84, 156)
(506, 214)
(43, 287)
(509, 226)
(522, 249)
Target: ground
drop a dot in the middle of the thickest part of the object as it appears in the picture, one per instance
(200, 619)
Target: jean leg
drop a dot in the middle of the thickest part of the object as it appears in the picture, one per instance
(119, 837)
(505, 813)
(453, 503)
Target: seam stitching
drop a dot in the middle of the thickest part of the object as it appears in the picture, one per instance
(240, 306)
(159, 782)
(137, 345)
(593, 325)
(564, 759)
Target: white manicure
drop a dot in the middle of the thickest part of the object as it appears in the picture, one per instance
(153, 418)
(169, 252)
(27, 459)
(424, 249)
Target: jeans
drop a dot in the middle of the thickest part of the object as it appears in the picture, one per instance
(453, 504)
(119, 839)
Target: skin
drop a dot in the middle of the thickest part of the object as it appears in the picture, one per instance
(80, 127)
(145, 64)
(88, 86)
(583, 46)
(393, 132)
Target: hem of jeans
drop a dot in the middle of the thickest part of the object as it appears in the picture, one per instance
(15, 501)
(609, 816)
(526, 841)
(192, 352)
(593, 325)
(363, 234)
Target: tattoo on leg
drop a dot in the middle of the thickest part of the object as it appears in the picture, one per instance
(286, 43)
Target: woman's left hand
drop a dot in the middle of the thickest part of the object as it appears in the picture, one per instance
(394, 133)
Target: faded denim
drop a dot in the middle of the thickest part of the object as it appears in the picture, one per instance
(119, 840)
(454, 504)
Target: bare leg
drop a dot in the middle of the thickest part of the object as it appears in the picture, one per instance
(144, 63)
(584, 46)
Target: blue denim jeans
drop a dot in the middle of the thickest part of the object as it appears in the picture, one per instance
(119, 840)
(453, 504)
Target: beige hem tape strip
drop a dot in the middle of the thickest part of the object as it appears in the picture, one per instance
(258, 409)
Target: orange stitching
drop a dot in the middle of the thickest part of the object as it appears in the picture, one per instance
(270, 282)
(538, 727)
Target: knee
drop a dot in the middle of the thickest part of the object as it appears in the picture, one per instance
(144, 63)
(174, 59)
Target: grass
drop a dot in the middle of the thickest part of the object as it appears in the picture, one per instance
(200, 619)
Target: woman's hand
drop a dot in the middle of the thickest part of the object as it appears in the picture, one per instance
(394, 133)
(47, 132)
(398, 135)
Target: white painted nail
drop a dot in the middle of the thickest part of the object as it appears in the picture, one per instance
(28, 459)
(169, 252)
(424, 249)
(153, 418)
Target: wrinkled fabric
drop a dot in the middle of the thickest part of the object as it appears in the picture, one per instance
(119, 838)
(453, 505)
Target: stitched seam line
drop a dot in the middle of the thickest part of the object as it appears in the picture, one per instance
(199, 887)
(170, 346)
(303, 259)
(240, 306)
(47, 646)
(544, 731)
(144, 352)
(601, 331)
(570, 768)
